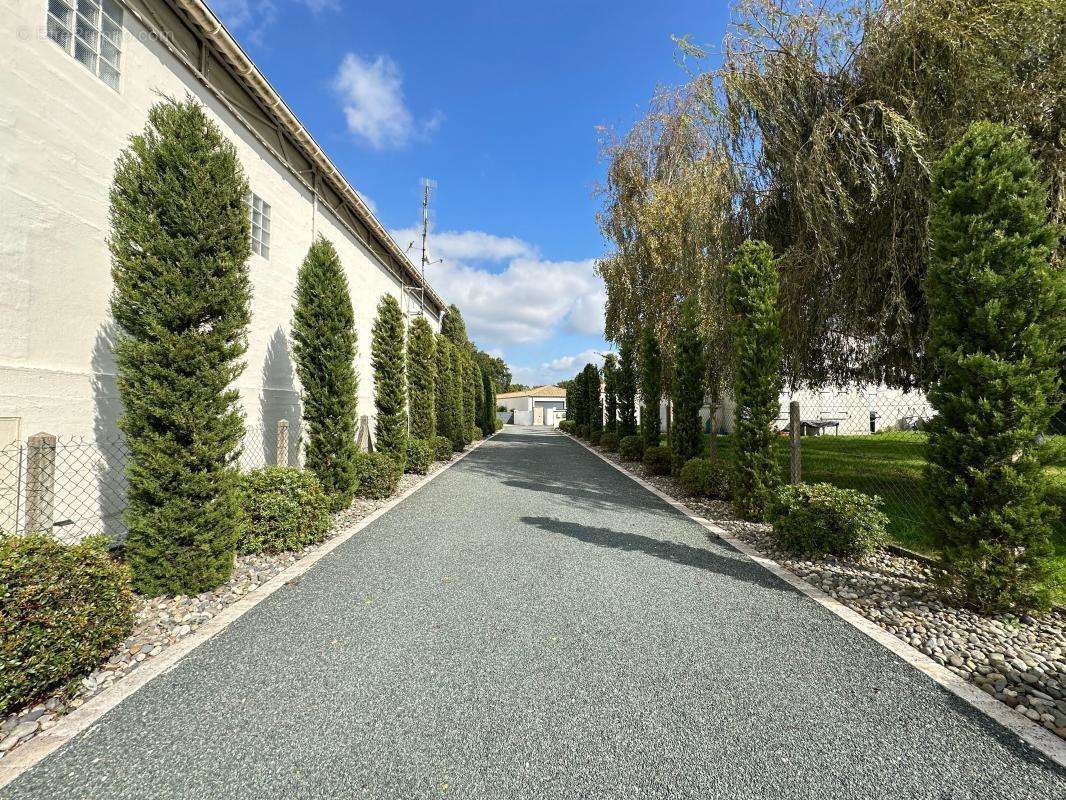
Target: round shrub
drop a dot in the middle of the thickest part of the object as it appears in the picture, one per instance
(657, 460)
(583, 431)
(419, 456)
(284, 509)
(379, 474)
(568, 426)
(442, 448)
(631, 448)
(595, 436)
(701, 477)
(609, 442)
(497, 424)
(475, 433)
(63, 609)
(820, 520)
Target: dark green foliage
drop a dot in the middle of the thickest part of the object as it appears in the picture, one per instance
(442, 448)
(497, 370)
(626, 387)
(284, 508)
(444, 390)
(454, 328)
(686, 432)
(476, 434)
(631, 448)
(651, 389)
(756, 335)
(593, 403)
(460, 431)
(821, 520)
(323, 335)
(479, 394)
(657, 460)
(422, 379)
(487, 421)
(470, 385)
(997, 339)
(420, 455)
(179, 245)
(567, 425)
(583, 432)
(610, 393)
(577, 404)
(702, 477)
(390, 379)
(595, 436)
(379, 474)
(63, 609)
(609, 441)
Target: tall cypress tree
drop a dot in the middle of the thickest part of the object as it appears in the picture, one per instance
(997, 336)
(422, 379)
(488, 406)
(390, 379)
(627, 387)
(469, 392)
(610, 393)
(444, 399)
(752, 294)
(686, 434)
(324, 339)
(460, 432)
(180, 242)
(593, 402)
(651, 388)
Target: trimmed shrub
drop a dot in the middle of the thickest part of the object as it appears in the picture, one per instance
(284, 509)
(497, 424)
(180, 243)
(442, 448)
(379, 474)
(475, 433)
(443, 396)
(823, 520)
(390, 379)
(657, 460)
(752, 303)
(324, 340)
(63, 609)
(419, 456)
(997, 335)
(421, 379)
(702, 477)
(583, 432)
(631, 448)
(609, 441)
(567, 426)
(595, 436)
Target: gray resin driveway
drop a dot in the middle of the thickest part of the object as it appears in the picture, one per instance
(534, 624)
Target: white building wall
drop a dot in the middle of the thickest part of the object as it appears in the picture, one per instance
(61, 129)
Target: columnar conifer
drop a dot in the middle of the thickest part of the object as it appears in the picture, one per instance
(422, 379)
(390, 379)
(756, 332)
(997, 338)
(610, 393)
(627, 388)
(651, 388)
(180, 243)
(444, 396)
(686, 433)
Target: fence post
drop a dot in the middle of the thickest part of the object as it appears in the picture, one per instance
(40, 482)
(795, 472)
(282, 449)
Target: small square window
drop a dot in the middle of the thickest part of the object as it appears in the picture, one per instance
(259, 215)
(91, 33)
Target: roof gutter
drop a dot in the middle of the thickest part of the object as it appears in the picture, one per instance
(215, 32)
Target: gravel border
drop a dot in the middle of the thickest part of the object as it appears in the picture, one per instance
(1019, 661)
(161, 622)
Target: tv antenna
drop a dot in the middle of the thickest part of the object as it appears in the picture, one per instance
(427, 189)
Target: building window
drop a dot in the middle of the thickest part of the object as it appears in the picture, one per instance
(91, 31)
(260, 215)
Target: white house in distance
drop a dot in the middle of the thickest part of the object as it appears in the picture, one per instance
(77, 78)
(541, 405)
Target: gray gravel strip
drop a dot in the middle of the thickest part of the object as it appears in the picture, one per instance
(534, 624)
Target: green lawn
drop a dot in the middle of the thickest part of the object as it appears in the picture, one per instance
(890, 465)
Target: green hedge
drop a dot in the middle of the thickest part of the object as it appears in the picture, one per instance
(379, 474)
(284, 509)
(609, 441)
(819, 520)
(657, 460)
(631, 448)
(568, 426)
(419, 456)
(476, 433)
(442, 448)
(63, 609)
(701, 477)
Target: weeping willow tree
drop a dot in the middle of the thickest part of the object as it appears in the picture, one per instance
(830, 113)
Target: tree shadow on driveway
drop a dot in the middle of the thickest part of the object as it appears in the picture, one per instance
(738, 567)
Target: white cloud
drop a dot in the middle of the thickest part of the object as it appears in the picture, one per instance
(253, 17)
(371, 94)
(468, 245)
(557, 369)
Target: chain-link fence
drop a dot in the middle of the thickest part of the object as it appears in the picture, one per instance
(874, 440)
(73, 487)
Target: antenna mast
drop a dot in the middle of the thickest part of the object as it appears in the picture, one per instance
(427, 187)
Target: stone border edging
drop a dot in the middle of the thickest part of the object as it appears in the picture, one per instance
(83, 718)
(1036, 736)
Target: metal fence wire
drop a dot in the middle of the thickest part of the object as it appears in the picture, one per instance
(74, 487)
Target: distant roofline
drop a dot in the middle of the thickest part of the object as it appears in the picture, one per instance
(537, 391)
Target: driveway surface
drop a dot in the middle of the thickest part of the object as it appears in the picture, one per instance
(534, 624)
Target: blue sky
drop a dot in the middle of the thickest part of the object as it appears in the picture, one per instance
(500, 104)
